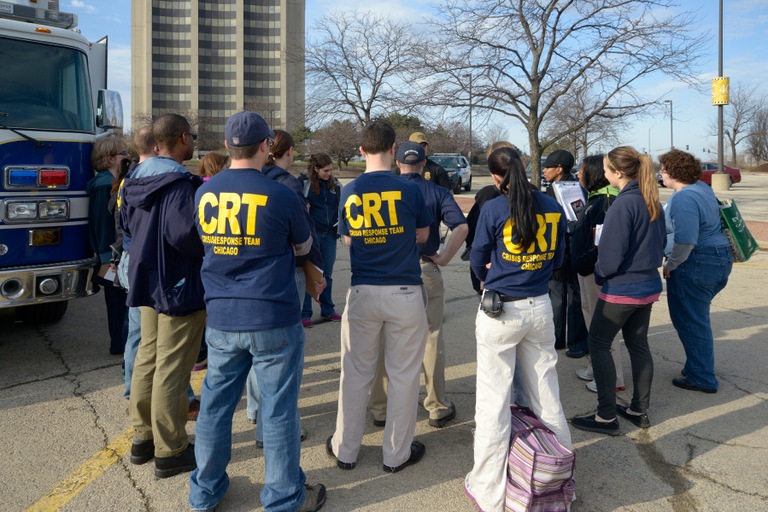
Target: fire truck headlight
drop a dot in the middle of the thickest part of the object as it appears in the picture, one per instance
(20, 210)
(53, 209)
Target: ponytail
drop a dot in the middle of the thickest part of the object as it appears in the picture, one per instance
(506, 161)
(633, 165)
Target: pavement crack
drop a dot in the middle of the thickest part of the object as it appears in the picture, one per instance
(681, 500)
(129, 475)
(724, 443)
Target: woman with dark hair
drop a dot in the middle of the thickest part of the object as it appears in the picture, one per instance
(627, 269)
(600, 195)
(322, 191)
(697, 267)
(484, 195)
(107, 157)
(522, 238)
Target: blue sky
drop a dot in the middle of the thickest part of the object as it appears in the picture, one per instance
(745, 61)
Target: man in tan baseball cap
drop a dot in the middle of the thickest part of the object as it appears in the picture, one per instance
(433, 171)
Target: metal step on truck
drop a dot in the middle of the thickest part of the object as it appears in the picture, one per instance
(53, 105)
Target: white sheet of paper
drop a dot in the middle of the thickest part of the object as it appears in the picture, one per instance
(598, 232)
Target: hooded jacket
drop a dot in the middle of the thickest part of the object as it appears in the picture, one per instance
(158, 213)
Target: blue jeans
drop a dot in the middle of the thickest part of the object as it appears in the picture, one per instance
(252, 385)
(690, 290)
(131, 346)
(277, 355)
(328, 244)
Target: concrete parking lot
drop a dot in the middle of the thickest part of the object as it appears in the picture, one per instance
(65, 431)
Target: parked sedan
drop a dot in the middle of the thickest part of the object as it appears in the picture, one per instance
(710, 168)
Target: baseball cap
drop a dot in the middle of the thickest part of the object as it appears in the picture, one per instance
(410, 153)
(559, 158)
(246, 129)
(418, 137)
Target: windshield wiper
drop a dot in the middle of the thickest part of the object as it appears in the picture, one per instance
(33, 140)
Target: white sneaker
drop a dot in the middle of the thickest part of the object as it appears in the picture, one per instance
(585, 373)
(592, 386)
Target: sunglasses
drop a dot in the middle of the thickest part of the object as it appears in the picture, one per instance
(191, 134)
(122, 153)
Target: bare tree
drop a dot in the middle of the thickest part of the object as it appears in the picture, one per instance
(340, 139)
(745, 104)
(208, 138)
(495, 132)
(361, 65)
(269, 111)
(757, 140)
(570, 111)
(526, 56)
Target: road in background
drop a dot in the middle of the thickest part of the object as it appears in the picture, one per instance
(64, 418)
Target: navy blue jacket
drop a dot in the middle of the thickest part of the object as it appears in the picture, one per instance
(280, 175)
(158, 213)
(631, 245)
(518, 271)
(324, 206)
(443, 208)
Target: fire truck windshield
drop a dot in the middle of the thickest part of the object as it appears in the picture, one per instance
(44, 87)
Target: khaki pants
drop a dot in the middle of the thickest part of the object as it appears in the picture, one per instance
(392, 316)
(166, 355)
(433, 364)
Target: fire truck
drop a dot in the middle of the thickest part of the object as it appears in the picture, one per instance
(53, 105)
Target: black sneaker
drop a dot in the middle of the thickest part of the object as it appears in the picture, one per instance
(329, 449)
(641, 420)
(417, 453)
(166, 467)
(314, 499)
(379, 423)
(684, 383)
(440, 422)
(591, 424)
(142, 451)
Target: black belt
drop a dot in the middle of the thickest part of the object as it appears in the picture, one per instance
(507, 298)
(426, 259)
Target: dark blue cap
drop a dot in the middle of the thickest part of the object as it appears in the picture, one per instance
(246, 129)
(410, 153)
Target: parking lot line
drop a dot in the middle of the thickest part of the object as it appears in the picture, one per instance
(94, 467)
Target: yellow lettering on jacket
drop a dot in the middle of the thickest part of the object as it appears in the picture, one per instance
(369, 207)
(226, 207)
(541, 244)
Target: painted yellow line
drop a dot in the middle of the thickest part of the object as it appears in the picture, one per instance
(94, 467)
(83, 476)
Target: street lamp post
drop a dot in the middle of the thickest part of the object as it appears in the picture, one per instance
(470, 116)
(671, 126)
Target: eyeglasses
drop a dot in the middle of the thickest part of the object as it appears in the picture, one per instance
(122, 153)
(191, 134)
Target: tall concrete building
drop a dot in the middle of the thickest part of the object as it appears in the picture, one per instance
(211, 58)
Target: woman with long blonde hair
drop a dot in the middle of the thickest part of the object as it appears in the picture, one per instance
(631, 250)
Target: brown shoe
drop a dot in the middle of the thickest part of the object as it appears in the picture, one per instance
(194, 410)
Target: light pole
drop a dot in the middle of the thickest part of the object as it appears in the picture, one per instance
(671, 126)
(470, 116)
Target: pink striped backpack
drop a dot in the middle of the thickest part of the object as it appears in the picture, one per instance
(539, 468)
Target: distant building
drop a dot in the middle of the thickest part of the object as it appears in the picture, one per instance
(211, 58)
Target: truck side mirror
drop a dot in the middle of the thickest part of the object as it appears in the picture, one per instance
(109, 110)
